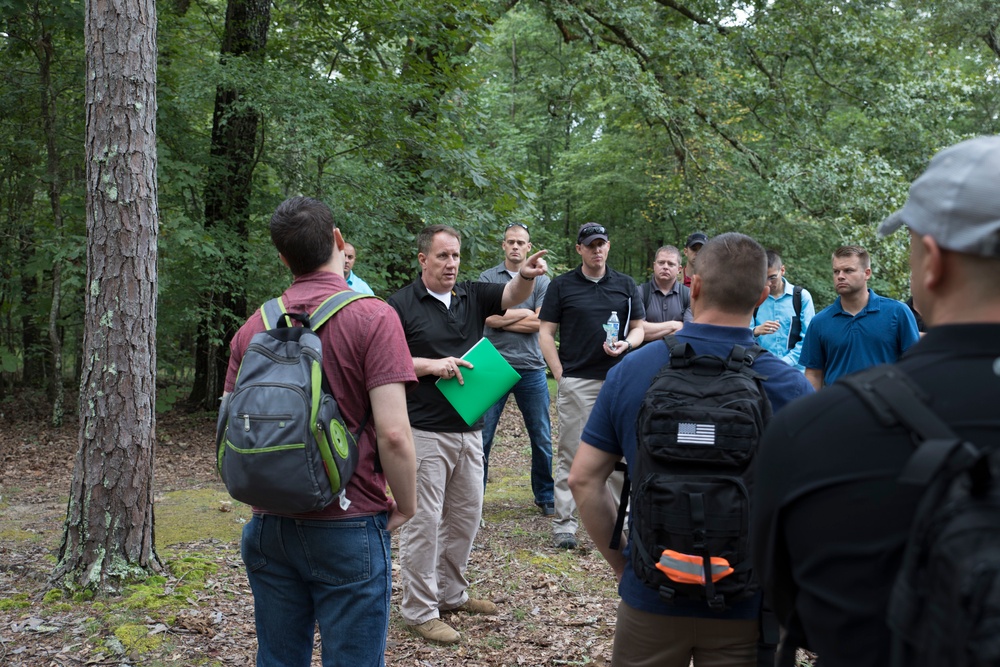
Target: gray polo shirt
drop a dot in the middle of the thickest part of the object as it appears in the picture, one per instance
(519, 349)
(666, 306)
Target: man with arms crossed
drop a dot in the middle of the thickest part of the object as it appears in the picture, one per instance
(324, 566)
(727, 284)
(831, 516)
(858, 330)
(666, 300)
(515, 335)
(578, 304)
(442, 319)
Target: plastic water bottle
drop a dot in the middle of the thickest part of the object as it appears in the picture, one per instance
(611, 329)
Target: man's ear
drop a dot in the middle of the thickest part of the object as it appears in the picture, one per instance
(283, 260)
(933, 263)
(338, 239)
(695, 286)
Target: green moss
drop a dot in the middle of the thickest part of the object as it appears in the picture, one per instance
(54, 595)
(15, 534)
(193, 568)
(135, 637)
(15, 601)
(84, 595)
(170, 593)
(186, 516)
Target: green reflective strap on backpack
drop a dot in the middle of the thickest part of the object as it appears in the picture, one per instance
(329, 308)
(271, 313)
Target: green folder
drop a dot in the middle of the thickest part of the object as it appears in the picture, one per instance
(489, 378)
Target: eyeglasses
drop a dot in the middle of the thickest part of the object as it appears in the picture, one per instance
(590, 231)
(516, 224)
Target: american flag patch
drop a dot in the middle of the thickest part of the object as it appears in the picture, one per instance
(695, 434)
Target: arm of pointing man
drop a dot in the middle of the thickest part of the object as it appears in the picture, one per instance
(519, 288)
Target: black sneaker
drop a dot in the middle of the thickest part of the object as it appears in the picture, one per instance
(564, 541)
(548, 509)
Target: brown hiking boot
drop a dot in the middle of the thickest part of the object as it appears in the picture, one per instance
(436, 630)
(474, 606)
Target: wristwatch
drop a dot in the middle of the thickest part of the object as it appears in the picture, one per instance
(629, 343)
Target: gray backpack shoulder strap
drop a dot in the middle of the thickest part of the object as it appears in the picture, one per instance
(332, 305)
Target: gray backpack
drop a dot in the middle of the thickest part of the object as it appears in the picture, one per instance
(282, 443)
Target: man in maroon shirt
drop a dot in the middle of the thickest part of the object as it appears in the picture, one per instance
(333, 566)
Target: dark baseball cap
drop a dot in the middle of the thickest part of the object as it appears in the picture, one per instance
(697, 238)
(956, 201)
(590, 232)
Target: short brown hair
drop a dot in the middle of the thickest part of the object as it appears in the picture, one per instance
(425, 239)
(854, 251)
(733, 272)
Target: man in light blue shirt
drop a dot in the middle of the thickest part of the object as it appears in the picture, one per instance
(775, 319)
(353, 281)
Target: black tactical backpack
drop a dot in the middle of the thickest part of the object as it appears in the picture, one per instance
(698, 428)
(945, 603)
(282, 442)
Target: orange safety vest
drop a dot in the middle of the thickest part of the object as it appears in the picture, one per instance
(688, 569)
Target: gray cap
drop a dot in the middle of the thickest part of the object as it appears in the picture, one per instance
(957, 200)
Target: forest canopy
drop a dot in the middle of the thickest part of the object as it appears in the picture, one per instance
(799, 123)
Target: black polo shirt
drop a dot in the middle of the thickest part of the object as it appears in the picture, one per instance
(581, 307)
(830, 519)
(434, 332)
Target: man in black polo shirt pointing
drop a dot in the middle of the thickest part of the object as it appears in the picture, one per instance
(442, 318)
(578, 304)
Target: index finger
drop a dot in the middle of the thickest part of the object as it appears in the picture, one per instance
(537, 255)
(463, 362)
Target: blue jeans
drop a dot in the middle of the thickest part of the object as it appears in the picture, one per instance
(532, 395)
(334, 572)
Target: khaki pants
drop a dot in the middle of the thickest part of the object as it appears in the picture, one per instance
(434, 545)
(574, 402)
(653, 640)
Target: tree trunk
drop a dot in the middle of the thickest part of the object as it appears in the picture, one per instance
(48, 103)
(227, 202)
(108, 536)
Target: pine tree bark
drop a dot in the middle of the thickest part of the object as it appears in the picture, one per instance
(108, 535)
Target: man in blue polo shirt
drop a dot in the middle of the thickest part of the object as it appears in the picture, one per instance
(858, 330)
(727, 284)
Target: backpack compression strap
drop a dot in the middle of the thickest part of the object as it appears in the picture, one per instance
(895, 399)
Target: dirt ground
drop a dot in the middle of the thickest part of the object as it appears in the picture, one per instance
(556, 607)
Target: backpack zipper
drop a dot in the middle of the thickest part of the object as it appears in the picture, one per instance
(246, 417)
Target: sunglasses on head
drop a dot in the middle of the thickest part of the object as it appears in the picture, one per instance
(588, 231)
(516, 224)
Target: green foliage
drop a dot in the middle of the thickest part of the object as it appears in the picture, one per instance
(798, 123)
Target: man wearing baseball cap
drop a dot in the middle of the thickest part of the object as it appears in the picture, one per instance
(831, 517)
(694, 242)
(578, 303)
